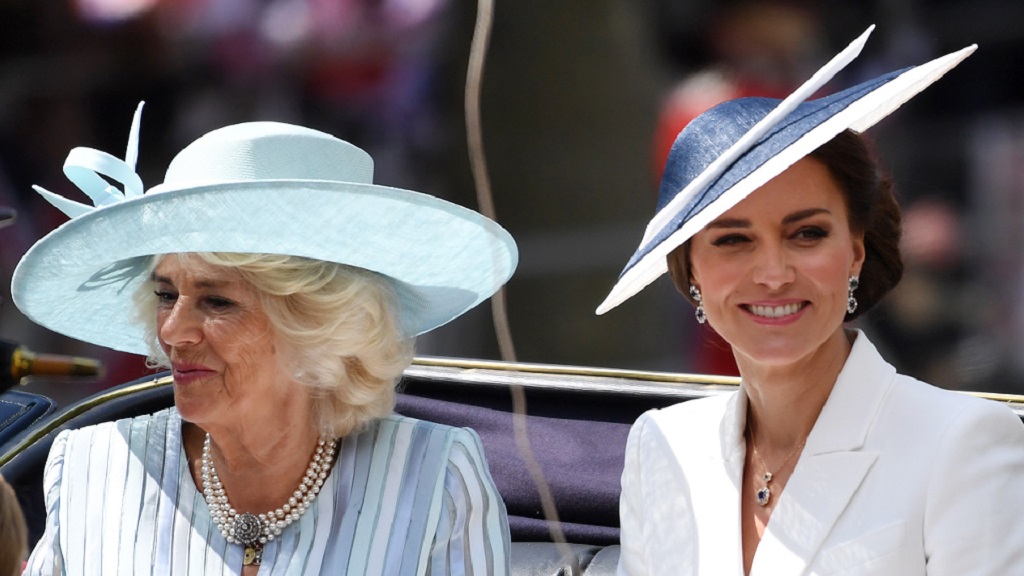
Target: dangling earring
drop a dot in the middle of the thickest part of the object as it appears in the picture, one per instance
(851, 302)
(699, 312)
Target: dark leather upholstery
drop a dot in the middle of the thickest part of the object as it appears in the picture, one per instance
(20, 410)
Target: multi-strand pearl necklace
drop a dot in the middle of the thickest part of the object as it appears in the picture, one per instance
(254, 531)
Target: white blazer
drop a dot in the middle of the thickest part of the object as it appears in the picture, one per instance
(896, 478)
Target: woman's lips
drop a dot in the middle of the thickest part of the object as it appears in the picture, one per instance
(776, 313)
(188, 373)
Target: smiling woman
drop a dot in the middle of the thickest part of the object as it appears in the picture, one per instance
(780, 257)
(281, 454)
(251, 311)
(219, 344)
(775, 221)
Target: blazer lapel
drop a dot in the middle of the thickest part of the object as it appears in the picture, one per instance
(712, 475)
(830, 469)
(807, 510)
(718, 483)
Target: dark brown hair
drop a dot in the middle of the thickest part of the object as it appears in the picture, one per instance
(872, 209)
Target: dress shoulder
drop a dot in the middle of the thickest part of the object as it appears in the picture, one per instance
(689, 416)
(160, 419)
(946, 406)
(454, 434)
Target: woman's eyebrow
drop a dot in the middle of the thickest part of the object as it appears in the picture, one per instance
(802, 214)
(199, 284)
(730, 223)
(789, 219)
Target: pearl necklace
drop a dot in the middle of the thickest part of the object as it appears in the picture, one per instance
(254, 531)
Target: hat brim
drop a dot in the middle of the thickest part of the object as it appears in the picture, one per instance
(797, 134)
(442, 258)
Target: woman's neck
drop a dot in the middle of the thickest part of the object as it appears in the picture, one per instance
(259, 463)
(784, 400)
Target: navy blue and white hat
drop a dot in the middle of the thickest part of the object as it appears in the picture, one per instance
(736, 147)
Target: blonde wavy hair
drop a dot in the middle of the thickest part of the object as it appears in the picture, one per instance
(338, 325)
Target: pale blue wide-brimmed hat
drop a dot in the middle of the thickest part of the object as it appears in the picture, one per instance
(258, 187)
(736, 147)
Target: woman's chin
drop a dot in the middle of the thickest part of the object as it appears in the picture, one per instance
(188, 412)
(781, 350)
(776, 352)
(191, 407)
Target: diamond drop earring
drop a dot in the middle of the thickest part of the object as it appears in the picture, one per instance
(851, 302)
(699, 312)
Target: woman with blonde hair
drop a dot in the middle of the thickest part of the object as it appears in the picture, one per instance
(283, 290)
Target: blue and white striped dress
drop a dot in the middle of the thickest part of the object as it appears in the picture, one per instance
(404, 497)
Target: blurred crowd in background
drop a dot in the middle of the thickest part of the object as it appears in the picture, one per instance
(581, 99)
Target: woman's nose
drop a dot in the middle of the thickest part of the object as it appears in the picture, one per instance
(773, 269)
(179, 325)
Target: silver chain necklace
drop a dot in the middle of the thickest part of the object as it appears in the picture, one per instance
(254, 531)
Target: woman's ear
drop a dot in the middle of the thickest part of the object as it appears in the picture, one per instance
(859, 254)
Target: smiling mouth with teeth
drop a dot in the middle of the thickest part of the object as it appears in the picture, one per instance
(775, 311)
